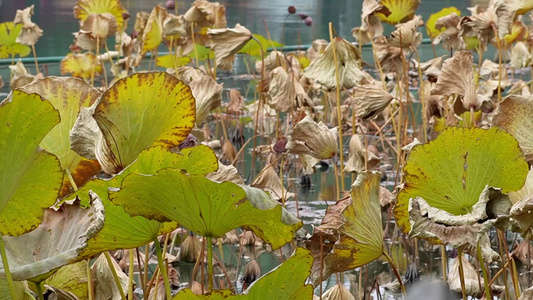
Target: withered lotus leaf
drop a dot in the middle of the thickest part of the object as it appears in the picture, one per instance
(357, 154)
(369, 99)
(322, 68)
(310, 138)
(351, 233)
(406, 34)
(31, 32)
(206, 91)
(227, 42)
(105, 286)
(31, 177)
(515, 116)
(135, 113)
(284, 282)
(206, 14)
(100, 26)
(58, 240)
(80, 65)
(522, 217)
(68, 96)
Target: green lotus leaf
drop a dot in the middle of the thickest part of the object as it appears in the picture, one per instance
(451, 172)
(58, 240)
(252, 47)
(122, 231)
(135, 113)
(68, 96)
(71, 278)
(30, 178)
(172, 61)
(284, 282)
(207, 208)
(351, 233)
(21, 290)
(515, 116)
(8, 41)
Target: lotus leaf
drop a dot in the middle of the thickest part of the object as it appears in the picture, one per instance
(253, 49)
(153, 32)
(451, 172)
(284, 282)
(85, 7)
(205, 207)
(351, 233)
(68, 96)
(57, 241)
(399, 10)
(80, 65)
(201, 52)
(135, 113)
(516, 117)
(122, 231)
(21, 290)
(104, 283)
(170, 61)
(520, 6)
(30, 177)
(9, 47)
(31, 32)
(206, 14)
(71, 278)
(227, 42)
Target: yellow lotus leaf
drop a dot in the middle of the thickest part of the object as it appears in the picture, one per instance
(431, 23)
(85, 7)
(518, 33)
(227, 42)
(153, 32)
(9, 47)
(31, 32)
(400, 10)
(80, 65)
(351, 233)
(170, 61)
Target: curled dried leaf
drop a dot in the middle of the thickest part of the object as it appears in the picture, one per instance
(369, 99)
(313, 139)
(100, 26)
(227, 42)
(31, 32)
(269, 181)
(206, 14)
(357, 155)
(80, 65)
(406, 34)
(206, 91)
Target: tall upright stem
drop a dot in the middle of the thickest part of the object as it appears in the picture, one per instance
(115, 275)
(209, 264)
(258, 107)
(338, 90)
(395, 270)
(163, 268)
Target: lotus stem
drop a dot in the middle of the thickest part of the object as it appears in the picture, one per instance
(421, 80)
(500, 45)
(209, 264)
(96, 59)
(115, 275)
(71, 179)
(461, 272)
(281, 179)
(145, 274)
(130, 275)
(485, 274)
(162, 268)
(194, 44)
(395, 270)
(339, 114)
(35, 59)
(242, 148)
(512, 267)
(90, 280)
(261, 82)
(39, 291)
(9, 278)
(141, 277)
(444, 264)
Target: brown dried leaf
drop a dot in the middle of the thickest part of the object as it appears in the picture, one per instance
(236, 102)
(206, 14)
(471, 277)
(227, 42)
(100, 26)
(269, 181)
(370, 99)
(313, 139)
(522, 217)
(406, 34)
(206, 91)
(105, 287)
(31, 32)
(357, 153)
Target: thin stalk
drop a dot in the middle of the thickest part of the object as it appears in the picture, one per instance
(338, 90)
(395, 270)
(9, 278)
(421, 80)
(209, 264)
(39, 291)
(71, 179)
(485, 274)
(145, 274)
(261, 82)
(115, 275)
(139, 266)
(444, 263)
(500, 45)
(90, 280)
(163, 268)
(461, 272)
(35, 59)
(130, 275)
(96, 59)
(242, 149)
(281, 179)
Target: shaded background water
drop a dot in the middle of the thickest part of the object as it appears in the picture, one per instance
(56, 18)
